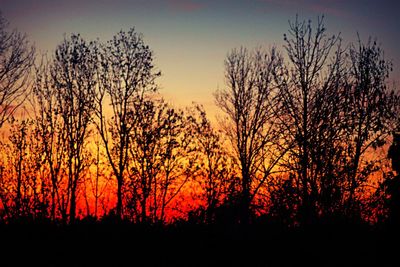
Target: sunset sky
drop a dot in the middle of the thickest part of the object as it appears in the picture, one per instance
(191, 38)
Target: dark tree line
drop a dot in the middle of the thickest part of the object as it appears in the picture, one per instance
(297, 143)
(317, 113)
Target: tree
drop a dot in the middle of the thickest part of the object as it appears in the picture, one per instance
(50, 132)
(249, 104)
(160, 157)
(99, 185)
(392, 185)
(16, 60)
(310, 110)
(24, 191)
(73, 73)
(214, 166)
(126, 74)
(371, 114)
(333, 109)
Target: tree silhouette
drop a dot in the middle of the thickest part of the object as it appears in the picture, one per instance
(50, 132)
(98, 185)
(308, 107)
(371, 114)
(16, 60)
(73, 72)
(333, 109)
(126, 74)
(214, 166)
(160, 153)
(24, 192)
(392, 185)
(249, 104)
(146, 151)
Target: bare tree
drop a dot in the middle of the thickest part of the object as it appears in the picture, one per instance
(73, 71)
(50, 131)
(371, 114)
(100, 184)
(214, 166)
(309, 106)
(24, 189)
(160, 157)
(332, 112)
(18, 140)
(16, 59)
(249, 104)
(145, 151)
(125, 75)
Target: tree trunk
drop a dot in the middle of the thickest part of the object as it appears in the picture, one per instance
(245, 199)
(53, 203)
(72, 207)
(119, 197)
(144, 204)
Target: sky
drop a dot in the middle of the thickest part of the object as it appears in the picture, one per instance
(191, 38)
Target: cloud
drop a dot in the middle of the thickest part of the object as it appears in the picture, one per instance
(186, 5)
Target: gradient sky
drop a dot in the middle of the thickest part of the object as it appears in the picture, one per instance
(191, 38)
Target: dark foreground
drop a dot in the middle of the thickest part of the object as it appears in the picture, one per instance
(91, 243)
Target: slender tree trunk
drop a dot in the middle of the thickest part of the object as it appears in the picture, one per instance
(210, 200)
(96, 190)
(119, 196)
(72, 207)
(19, 186)
(155, 200)
(53, 203)
(144, 205)
(245, 201)
(353, 176)
(306, 213)
(164, 197)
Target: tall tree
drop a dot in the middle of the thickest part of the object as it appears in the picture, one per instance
(50, 132)
(125, 75)
(372, 113)
(309, 84)
(73, 71)
(333, 109)
(248, 101)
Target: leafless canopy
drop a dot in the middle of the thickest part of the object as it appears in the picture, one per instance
(16, 59)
